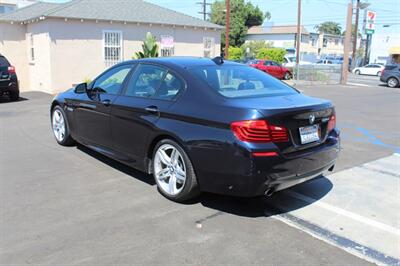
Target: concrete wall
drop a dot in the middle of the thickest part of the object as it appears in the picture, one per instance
(41, 69)
(13, 46)
(77, 47)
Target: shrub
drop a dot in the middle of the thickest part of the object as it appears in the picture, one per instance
(274, 54)
(149, 47)
(235, 53)
(254, 47)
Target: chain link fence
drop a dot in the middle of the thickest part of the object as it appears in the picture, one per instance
(317, 74)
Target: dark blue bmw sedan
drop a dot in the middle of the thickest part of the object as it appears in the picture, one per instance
(199, 124)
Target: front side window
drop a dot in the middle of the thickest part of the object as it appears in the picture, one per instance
(145, 81)
(111, 81)
(112, 42)
(241, 81)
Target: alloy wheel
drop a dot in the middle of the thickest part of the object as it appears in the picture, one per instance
(169, 169)
(392, 82)
(58, 123)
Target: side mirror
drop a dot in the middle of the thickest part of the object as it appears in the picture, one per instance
(81, 88)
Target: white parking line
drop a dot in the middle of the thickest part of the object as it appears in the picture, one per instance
(358, 84)
(354, 216)
(357, 210)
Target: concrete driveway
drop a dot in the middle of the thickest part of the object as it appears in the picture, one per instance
(73, 206)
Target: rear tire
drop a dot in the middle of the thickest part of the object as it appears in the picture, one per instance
(379, 73)
(60, 126)
(392, 82)
(287, 76)
(357, 72)
(173, 172)
(14, 96)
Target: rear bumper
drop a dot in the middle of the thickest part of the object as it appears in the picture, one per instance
(8, 87)
(250, 176)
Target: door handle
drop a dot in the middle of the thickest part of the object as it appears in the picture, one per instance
(106, 102)
(151, 109)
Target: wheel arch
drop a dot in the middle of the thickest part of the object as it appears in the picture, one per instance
(153, 143)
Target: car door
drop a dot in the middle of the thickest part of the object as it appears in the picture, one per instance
(148, 94)
(92, 110)
(277, 70)
(367, 70)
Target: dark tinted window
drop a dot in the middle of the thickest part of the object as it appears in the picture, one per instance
(3, 62)
(390, 67)
(170, 87)
(145, 81)
(267, 63)
(111, 81)
(241, 81)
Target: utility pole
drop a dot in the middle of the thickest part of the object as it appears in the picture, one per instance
(298, 36)
(353, 57)
(347, 41)
(228, 20)
(204, 5)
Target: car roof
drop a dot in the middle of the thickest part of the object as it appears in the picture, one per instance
(182, 61)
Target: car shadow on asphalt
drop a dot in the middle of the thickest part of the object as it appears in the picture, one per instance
(141, 176)
(253, 207)
(280, 202)
(4, 99)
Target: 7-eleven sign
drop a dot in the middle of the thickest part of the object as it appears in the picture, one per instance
(370, 22)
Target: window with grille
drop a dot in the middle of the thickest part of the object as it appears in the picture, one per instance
(112, 42)
(209, 44)
(166, 52)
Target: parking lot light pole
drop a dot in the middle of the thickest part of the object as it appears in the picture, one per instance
(347, 41)
(228, 18)
(298, 38)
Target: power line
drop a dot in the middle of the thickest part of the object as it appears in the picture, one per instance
(204, 5)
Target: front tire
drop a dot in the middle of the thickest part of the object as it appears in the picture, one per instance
(174, 172)
(357, 72)
(60, 127)
(392, 82)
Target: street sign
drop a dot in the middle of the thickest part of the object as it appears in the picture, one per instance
(370, 22)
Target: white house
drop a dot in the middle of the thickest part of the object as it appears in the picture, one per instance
(54, 46)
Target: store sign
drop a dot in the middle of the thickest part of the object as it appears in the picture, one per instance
(167, 41)
(370, 23)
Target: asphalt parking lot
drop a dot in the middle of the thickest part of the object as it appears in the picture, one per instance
(73, 206)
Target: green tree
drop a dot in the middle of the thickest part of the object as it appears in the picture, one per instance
(274, 54)
(254, 47)
(353, 31)
(329, 27)
(235, 53)
(243, 16)
(149, 47)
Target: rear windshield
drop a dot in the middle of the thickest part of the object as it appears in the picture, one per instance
(241, 81)
(3, 62)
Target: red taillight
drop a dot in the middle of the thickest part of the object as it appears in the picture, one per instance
(259, 131)
(331, 123)
(11, 70)
(265, 154)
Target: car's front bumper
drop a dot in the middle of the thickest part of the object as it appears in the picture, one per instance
(242, 174)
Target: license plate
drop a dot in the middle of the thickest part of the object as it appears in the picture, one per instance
(309, 134)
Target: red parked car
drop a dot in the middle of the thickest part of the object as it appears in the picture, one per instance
(271, 67)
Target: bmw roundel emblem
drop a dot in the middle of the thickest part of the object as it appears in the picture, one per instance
(311, 119)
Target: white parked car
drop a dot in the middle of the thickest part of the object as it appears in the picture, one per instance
(370, 69)
(290, 61)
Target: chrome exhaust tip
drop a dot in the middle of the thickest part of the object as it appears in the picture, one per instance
(269, 192)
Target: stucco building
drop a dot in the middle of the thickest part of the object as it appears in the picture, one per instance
(54, 46)
(317, 44)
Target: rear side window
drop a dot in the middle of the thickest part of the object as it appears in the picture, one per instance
(241, 81)
(145, 81)
(390, 67)
(4, 62)
(169, 88)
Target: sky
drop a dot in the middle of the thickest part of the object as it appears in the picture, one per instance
(284, 12)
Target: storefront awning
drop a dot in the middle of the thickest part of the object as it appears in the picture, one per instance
(394, 50)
